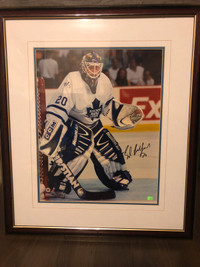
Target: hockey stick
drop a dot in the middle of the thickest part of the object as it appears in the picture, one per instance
(79, 190)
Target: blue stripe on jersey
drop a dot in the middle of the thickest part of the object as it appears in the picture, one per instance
(58, 107)
(108, 102)
(56, 115)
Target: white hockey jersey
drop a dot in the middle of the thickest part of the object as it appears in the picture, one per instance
(74, 99)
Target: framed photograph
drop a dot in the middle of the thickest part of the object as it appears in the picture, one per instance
(99, 113)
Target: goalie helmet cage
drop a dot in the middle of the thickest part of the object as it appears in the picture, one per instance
(41, 115)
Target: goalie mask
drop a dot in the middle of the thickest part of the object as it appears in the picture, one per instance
(91, 67)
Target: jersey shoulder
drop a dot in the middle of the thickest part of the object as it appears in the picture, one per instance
(74, 74)
(105, 88)
(75, 79)
(72, 80)
(72, 77)
(105, 78)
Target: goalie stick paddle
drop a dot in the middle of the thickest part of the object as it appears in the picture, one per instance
(98, 195)
(79, 190)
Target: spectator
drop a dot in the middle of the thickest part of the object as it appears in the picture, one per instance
(72, 62)
(106, 72)
(135, 73)
(147, 78)
(107, 61)
(114, 69)
(121, 79)
(48, 69)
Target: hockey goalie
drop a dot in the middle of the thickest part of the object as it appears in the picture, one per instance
(74, 133)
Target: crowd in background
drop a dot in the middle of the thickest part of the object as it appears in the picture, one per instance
(123, 67)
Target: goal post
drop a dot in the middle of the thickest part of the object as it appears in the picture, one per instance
(41, 115)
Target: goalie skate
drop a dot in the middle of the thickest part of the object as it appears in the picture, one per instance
(53, 194)
(123, 178)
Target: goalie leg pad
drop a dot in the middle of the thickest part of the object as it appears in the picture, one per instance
(52, 137)
(75, 149)
(76, 146)
(108, 152)
(120, 180)
(77, 141)
(76, 166)
(106, 145)
(108, 160)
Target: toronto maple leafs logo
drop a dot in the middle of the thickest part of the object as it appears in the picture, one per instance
(94, 112)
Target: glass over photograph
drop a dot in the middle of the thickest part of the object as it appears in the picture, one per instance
(99, 119)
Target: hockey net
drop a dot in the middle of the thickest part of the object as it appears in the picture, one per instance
(41, 114)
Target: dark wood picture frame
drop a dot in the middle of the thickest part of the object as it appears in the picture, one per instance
(5, 116)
